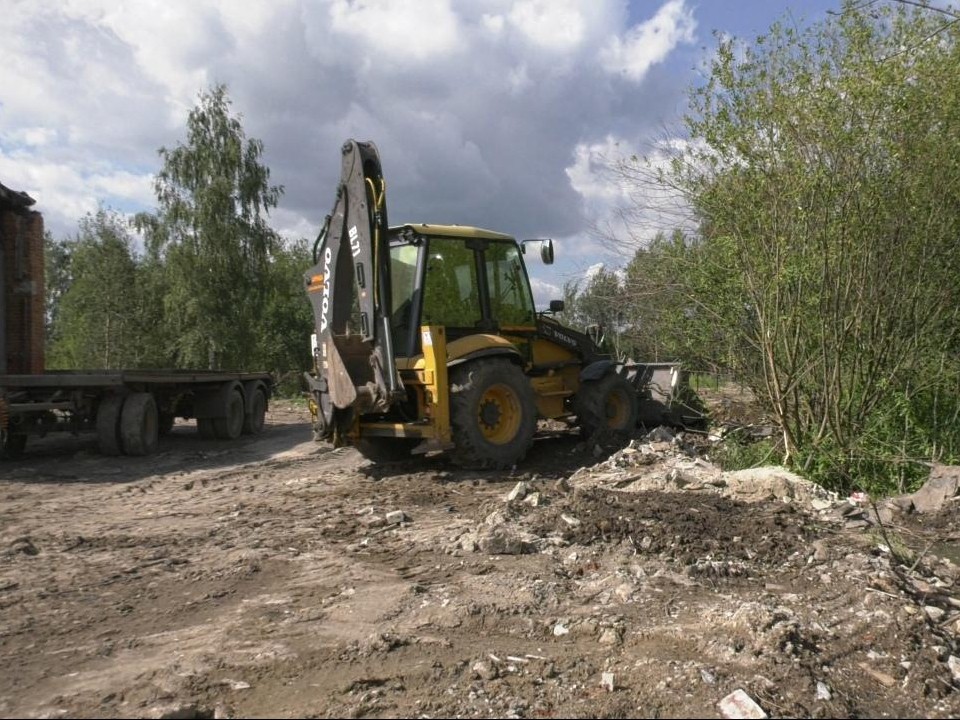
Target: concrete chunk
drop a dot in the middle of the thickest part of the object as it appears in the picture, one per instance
(739, 705)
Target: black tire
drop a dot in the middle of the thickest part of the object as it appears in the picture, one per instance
(253, 421)
(139, 425)
(205, 428)
(609, 403)
(108, 425)
(230, 424)
(13, 446)
(493, 414)
(383, 450)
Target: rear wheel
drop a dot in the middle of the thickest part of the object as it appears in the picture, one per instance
(139, 427)
(230, 425)
(493, 414)
(253, 421)
(108, 425)
(609, 403)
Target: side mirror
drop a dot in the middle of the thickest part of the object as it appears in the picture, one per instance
(546, 252)
(546, 249)
(556, 306)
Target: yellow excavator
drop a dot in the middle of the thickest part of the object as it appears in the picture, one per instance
(427, 339)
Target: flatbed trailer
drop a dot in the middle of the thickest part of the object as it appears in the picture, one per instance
(130, 409)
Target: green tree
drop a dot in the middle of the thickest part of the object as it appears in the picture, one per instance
(56, 258)
(287, 321)
(824, 170)
(597, 308)
(210, 235)
(100, 316)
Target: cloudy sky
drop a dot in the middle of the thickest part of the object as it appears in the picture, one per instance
(494, 113)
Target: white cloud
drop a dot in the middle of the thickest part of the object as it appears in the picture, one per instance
(553, 24)
(401, 30)
(492, 113)
(65, 192)
(650, 42)
(590, 174)
(544, 291)
(593, 270)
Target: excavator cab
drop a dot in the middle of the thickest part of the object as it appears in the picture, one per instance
(466, 280)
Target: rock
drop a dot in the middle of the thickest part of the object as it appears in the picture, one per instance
(740, 705)
(934, 613)
(953, 663)
(560, 630)
(820, 552)
(823, 691)
(624, 592)
(503, 540)
(659, 434)
(24, 545)
(940, 487)
(609, 637)
(533, 500)
(607, 682)
(177, 711)
(485, 670)
(519, 492)
(396, 517)
(770, 483)
(570, 520)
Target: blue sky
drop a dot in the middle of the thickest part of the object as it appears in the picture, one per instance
(497, 113)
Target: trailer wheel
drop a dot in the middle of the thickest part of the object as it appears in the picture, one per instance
(205, 428)
(493, 414)
(253, 421)
(608, 403)
(230, 425)
(108, 425)
(13, 446)
(139, 427)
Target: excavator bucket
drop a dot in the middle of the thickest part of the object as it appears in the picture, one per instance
(349, 290)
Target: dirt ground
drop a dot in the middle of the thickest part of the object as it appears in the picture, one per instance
(267, 577)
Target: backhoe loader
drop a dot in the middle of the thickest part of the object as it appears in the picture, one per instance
(427, 339)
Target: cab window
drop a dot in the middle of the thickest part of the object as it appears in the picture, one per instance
(511, 303)
(451, 295)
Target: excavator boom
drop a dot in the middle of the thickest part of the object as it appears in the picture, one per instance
(349, 290)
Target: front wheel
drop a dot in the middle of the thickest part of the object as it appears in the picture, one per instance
(609, 403)
(493, 414)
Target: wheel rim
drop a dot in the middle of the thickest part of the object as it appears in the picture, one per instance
(499, 414)
(617, 410)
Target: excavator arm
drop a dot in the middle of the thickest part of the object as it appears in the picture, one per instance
(349, 289)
